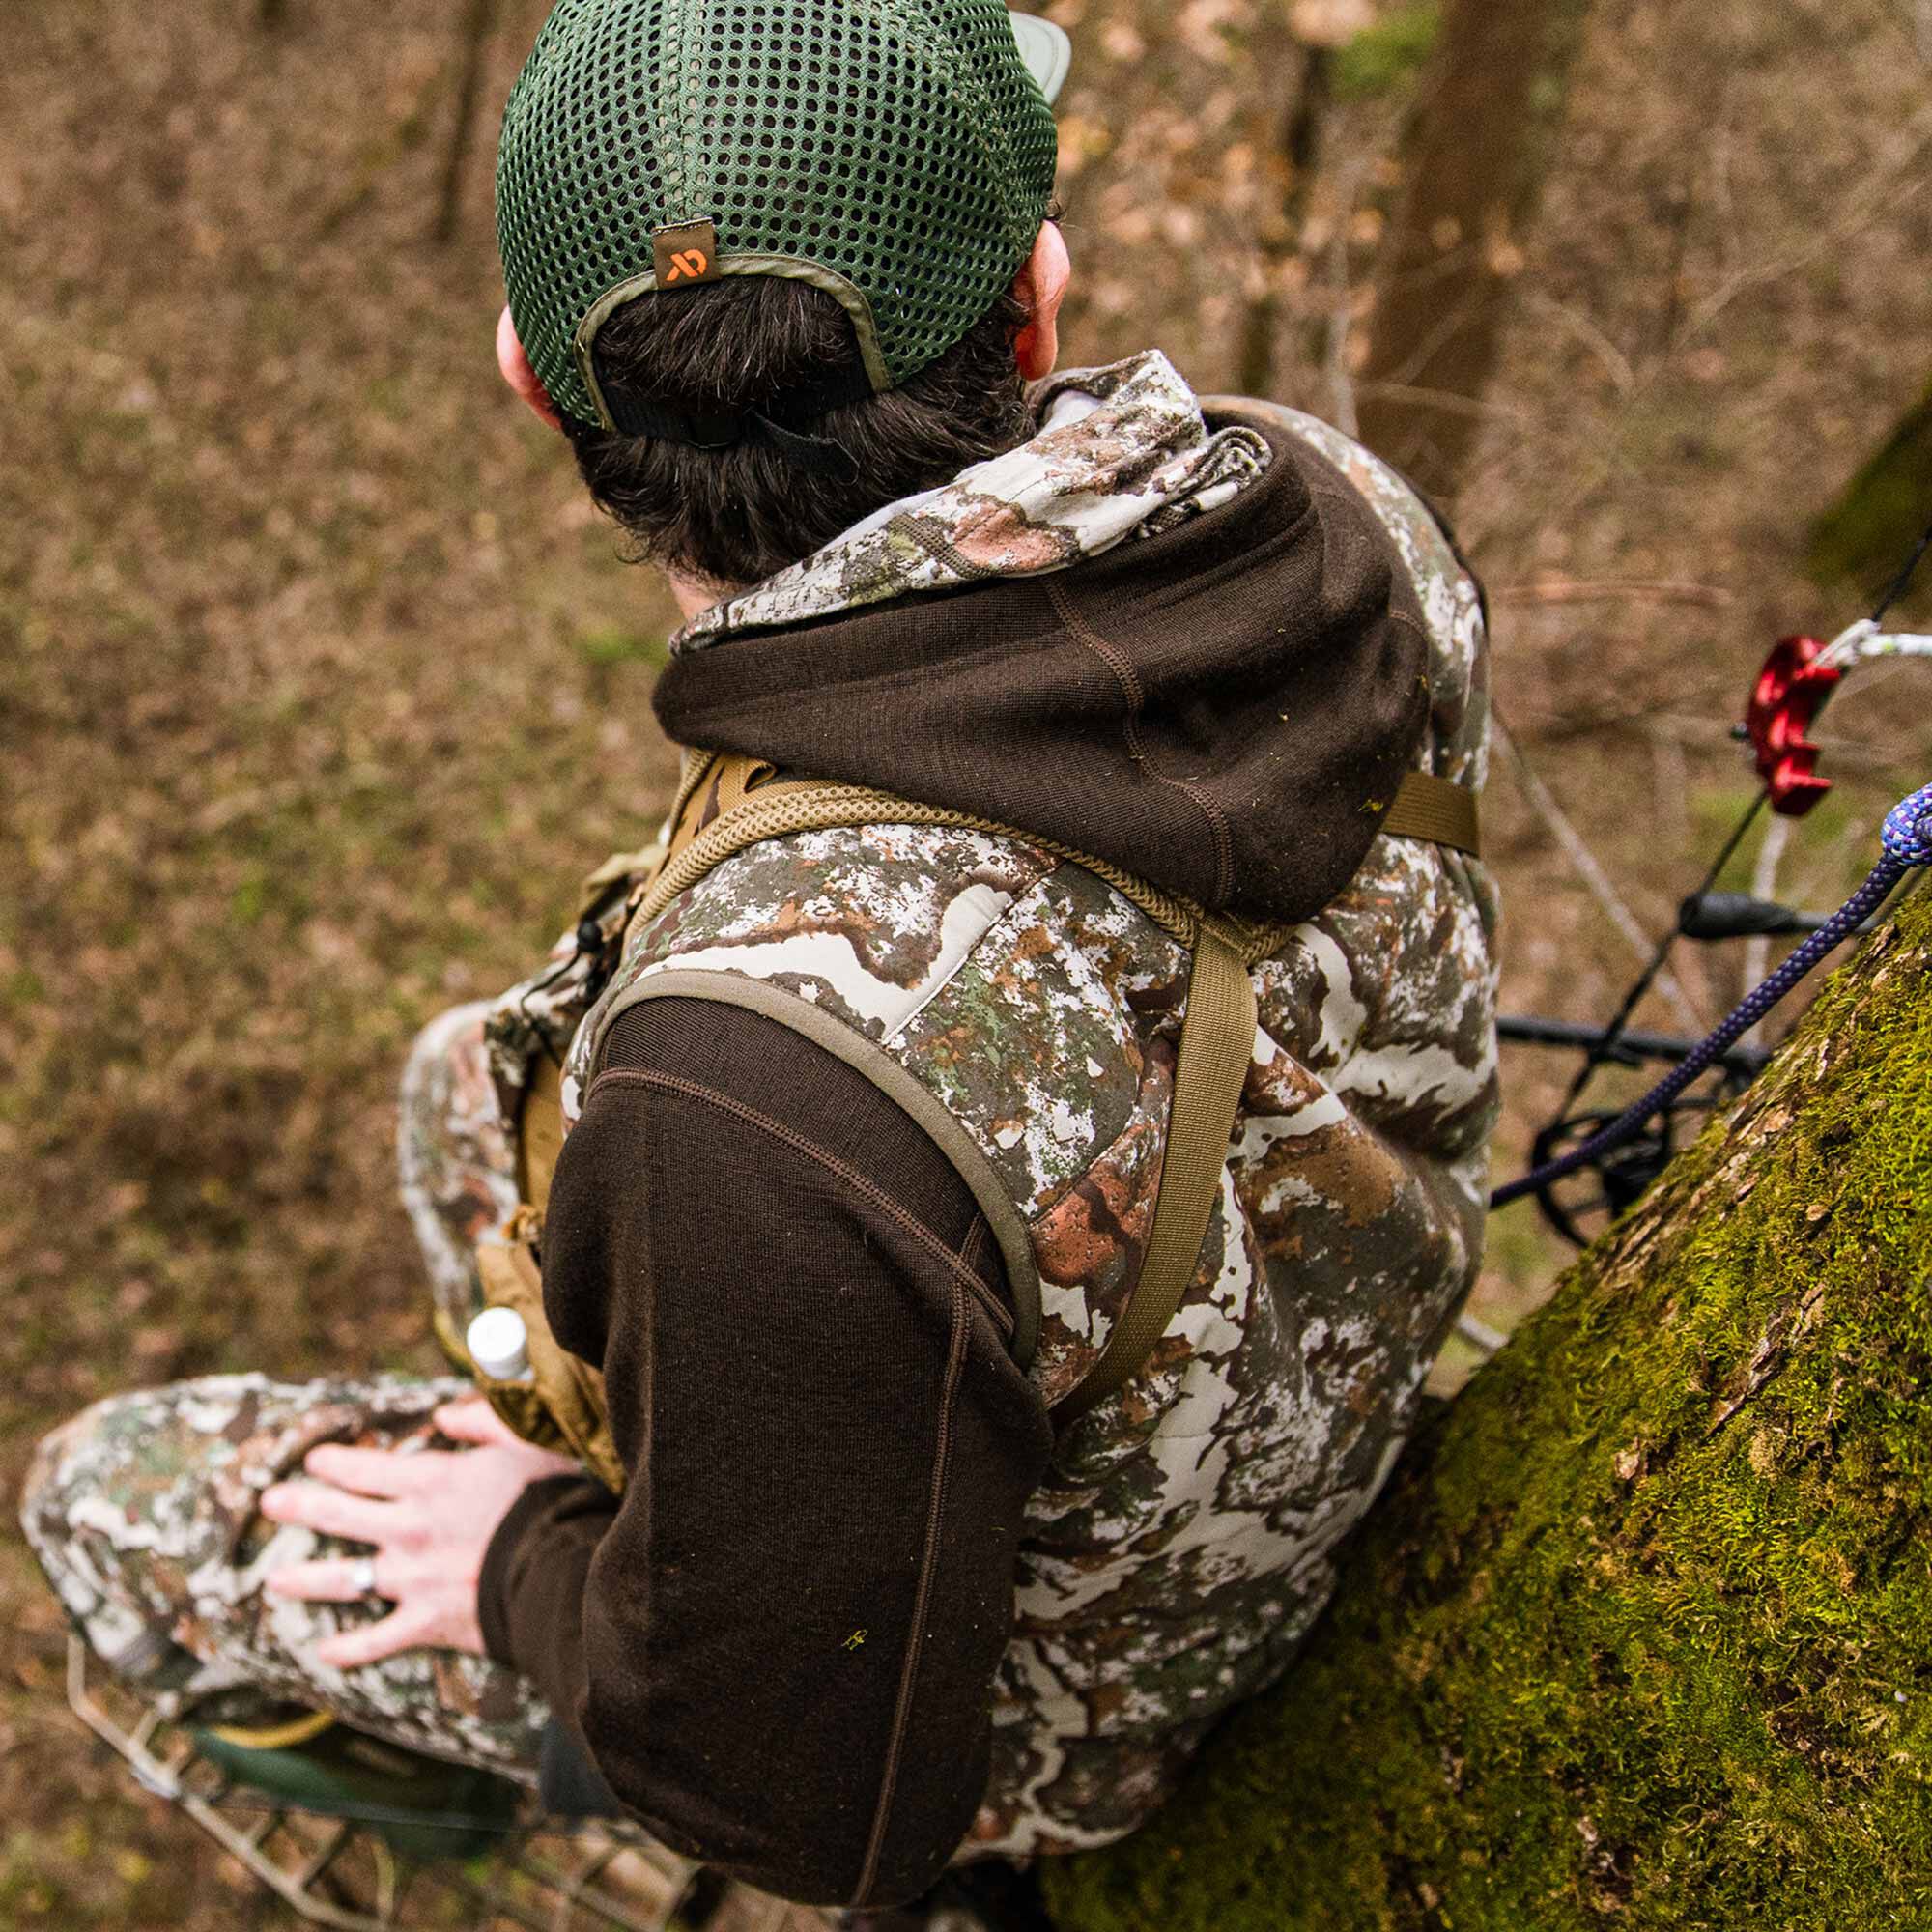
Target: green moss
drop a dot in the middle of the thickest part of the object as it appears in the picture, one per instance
(1388, 55)
(1642, 1633)
(1866, 535)
(610, 645)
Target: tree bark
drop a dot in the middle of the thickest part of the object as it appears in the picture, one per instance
(1641, 1633)
(1302, 122)
(480, 20)
(1474, 154)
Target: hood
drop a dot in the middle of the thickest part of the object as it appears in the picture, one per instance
(1184, 645)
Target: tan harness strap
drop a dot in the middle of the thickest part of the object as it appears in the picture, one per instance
(709, 785)
(1425, 808)
(777, 810)
(1438, 810)
(1217, 1043)
(726, 804)
(564, 1405)
(721, 788)
(540, 1134)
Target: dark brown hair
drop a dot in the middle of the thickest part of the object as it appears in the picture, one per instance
(736, 515)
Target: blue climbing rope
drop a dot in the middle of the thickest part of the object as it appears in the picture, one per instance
(1906, 842)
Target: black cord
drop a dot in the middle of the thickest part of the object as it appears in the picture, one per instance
(1903, 580)
(1607, 1041)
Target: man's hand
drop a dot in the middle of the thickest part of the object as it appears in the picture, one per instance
(429, 1516)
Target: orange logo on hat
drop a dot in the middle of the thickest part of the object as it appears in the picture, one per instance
(687, 254)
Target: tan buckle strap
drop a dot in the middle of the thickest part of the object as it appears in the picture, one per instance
(722, 787)
(1217, 1042)
(563, 1405)
(781, 809)
(709, 787)
(1438, 810)
(1425, 808)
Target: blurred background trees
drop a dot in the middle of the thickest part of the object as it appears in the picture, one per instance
(1475, 150)
(1883, 508)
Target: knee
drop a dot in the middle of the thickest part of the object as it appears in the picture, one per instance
(66, 1470)
(97, 1522)
(55, 1456)
(63, 1498)
(128, 1497)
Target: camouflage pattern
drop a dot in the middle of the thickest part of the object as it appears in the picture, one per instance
(455, 1159)
(1182, 1542)
(1122, 453)
(539, 1016)
(143, 1512)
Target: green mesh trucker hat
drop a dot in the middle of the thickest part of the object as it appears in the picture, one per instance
(898, 154)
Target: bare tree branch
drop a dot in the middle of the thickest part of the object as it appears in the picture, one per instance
(1612, 590)
(1543, 802)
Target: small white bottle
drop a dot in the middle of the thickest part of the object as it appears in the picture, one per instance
(500, 1345)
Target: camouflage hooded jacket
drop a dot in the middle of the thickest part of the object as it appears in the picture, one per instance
(1180, 1544)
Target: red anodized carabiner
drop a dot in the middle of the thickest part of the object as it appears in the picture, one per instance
(1791, 691)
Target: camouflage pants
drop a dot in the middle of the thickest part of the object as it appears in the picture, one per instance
(143, 1513)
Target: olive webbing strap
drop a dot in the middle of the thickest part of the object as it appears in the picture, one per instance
(692, 769)
(778, 810)
(1217, 1042)
(1428, 808)
(729, 781)
(1436, 810)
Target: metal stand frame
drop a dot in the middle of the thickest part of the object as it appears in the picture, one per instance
(341, 1873)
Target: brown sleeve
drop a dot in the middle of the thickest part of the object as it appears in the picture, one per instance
(779, 1646)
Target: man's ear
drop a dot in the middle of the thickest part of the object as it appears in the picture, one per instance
(518, 373)
(1042, 287)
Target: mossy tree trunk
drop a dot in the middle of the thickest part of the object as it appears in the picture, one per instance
(1474, 156)
(1642, 1634)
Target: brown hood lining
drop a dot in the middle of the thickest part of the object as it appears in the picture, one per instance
(1225, 709)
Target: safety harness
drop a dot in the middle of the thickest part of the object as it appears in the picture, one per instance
(725, 805)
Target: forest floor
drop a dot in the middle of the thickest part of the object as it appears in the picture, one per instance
(321, 683)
